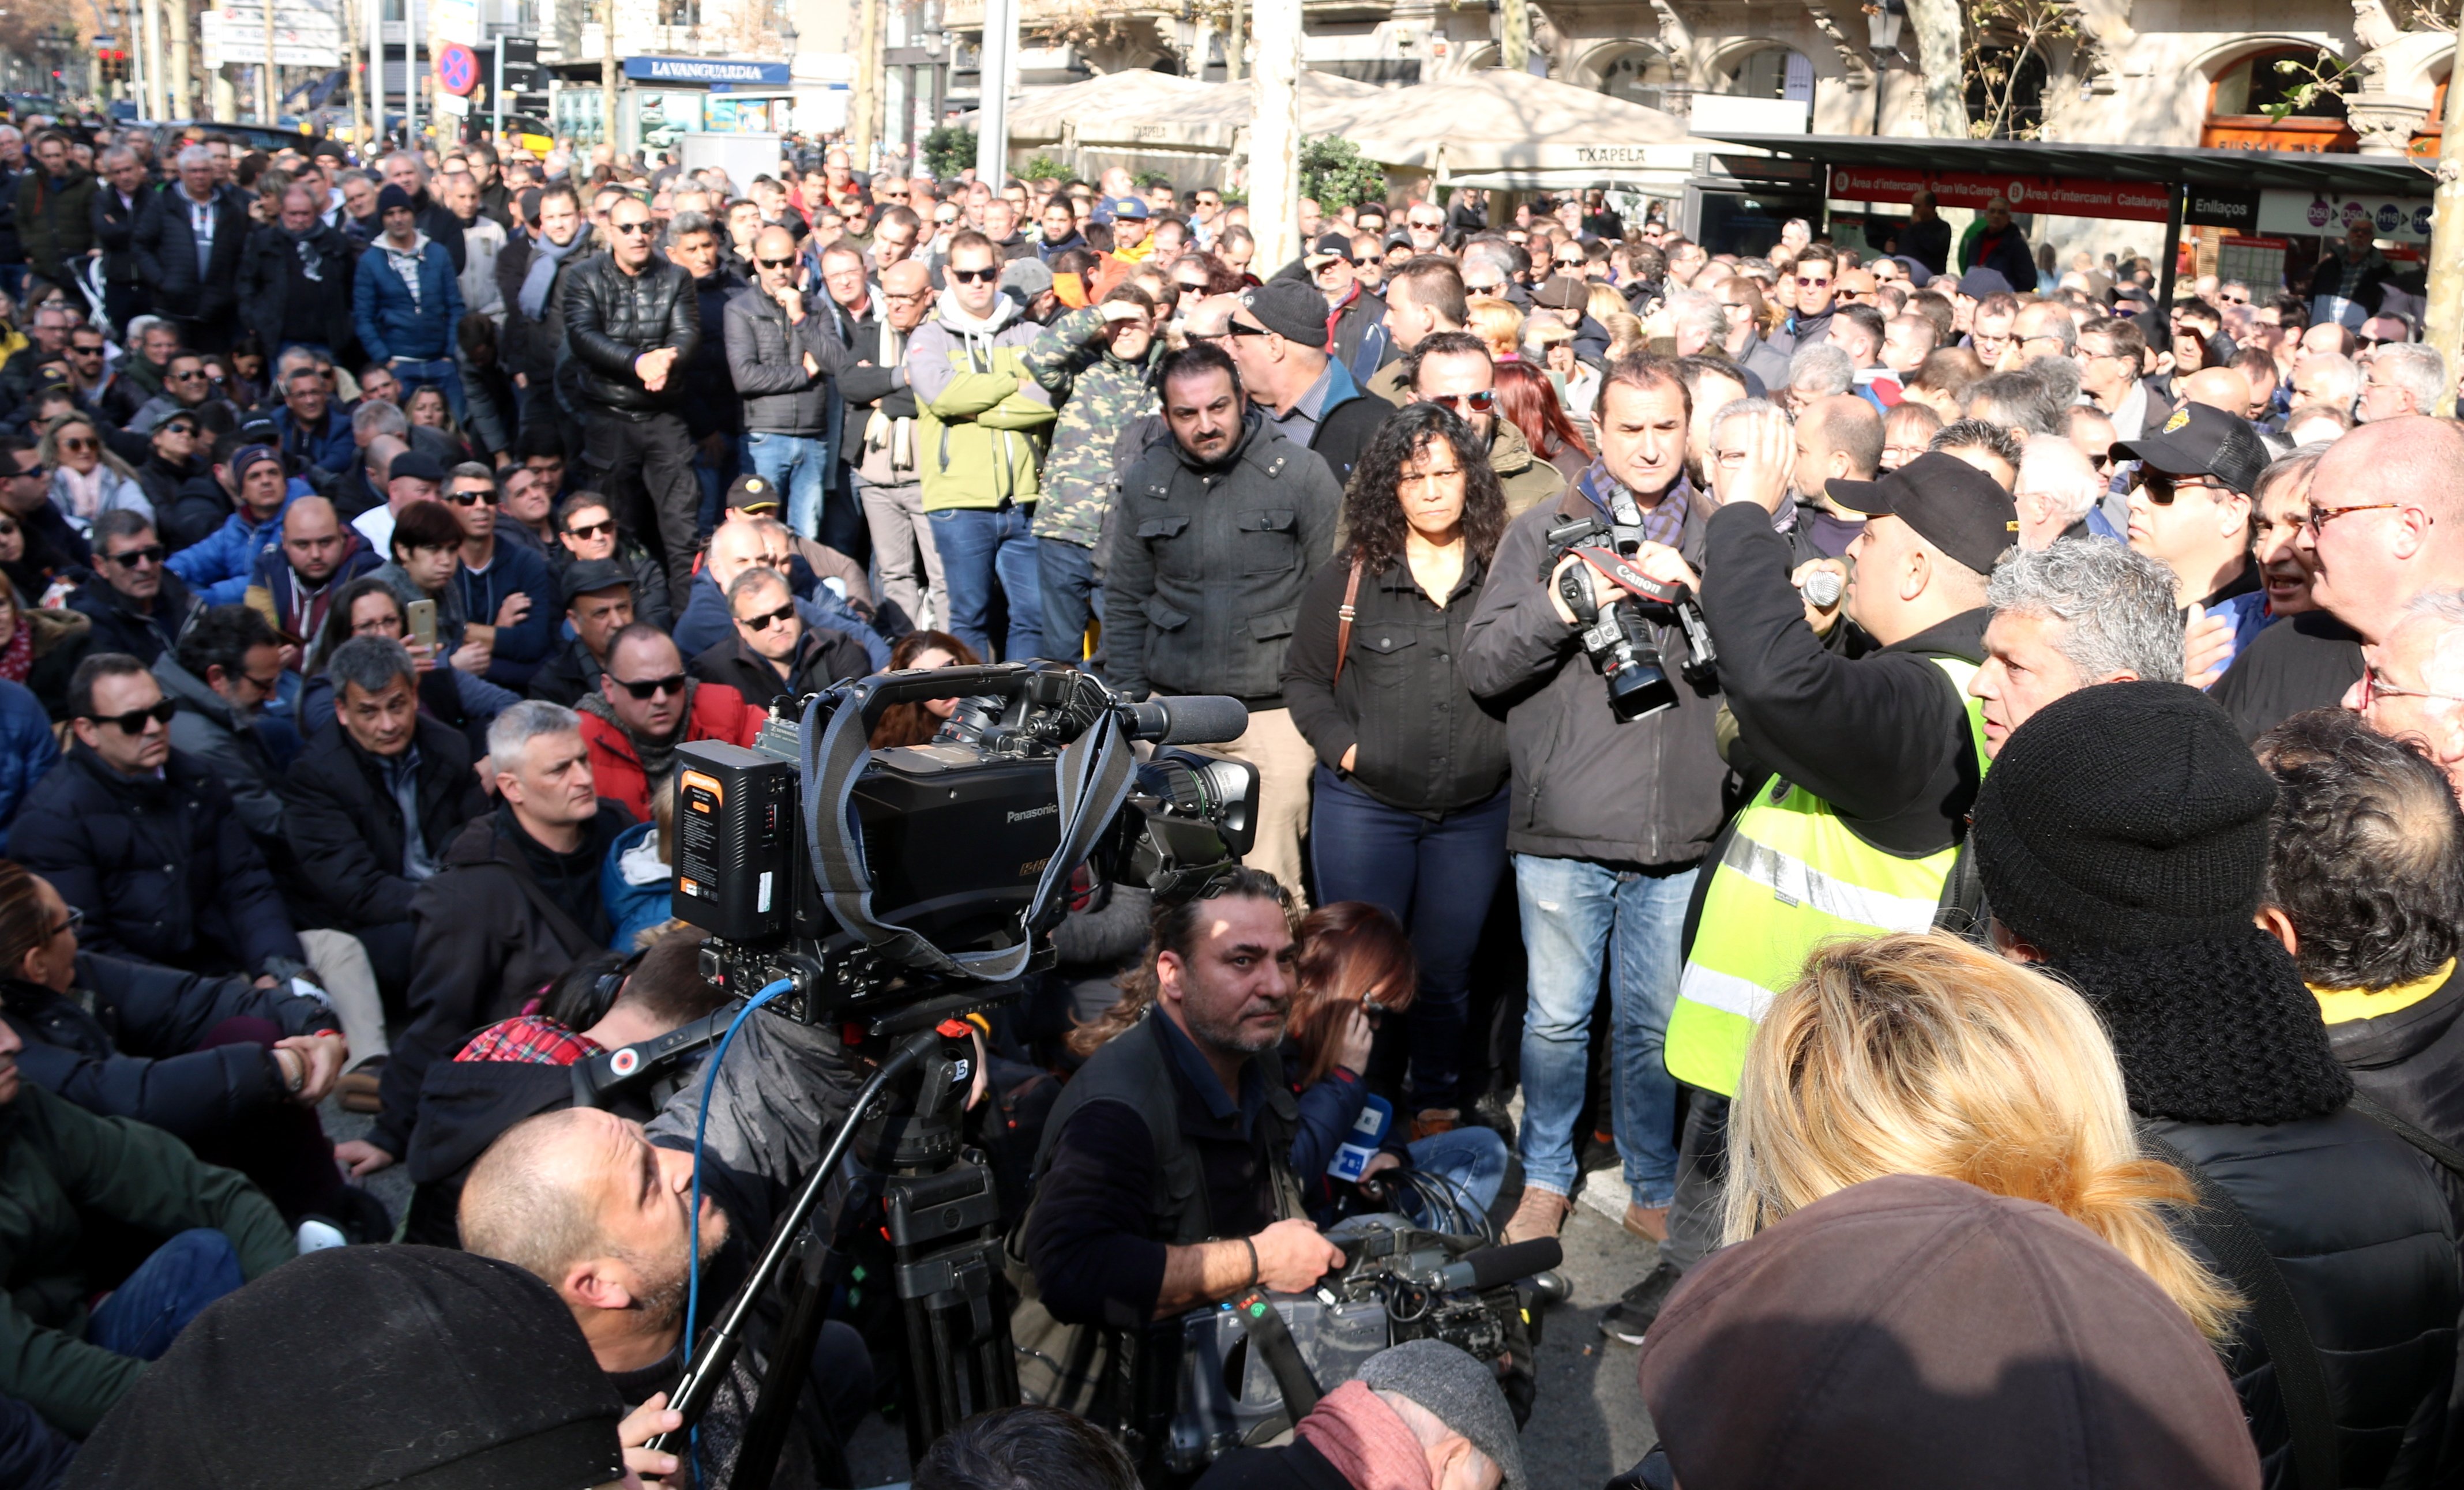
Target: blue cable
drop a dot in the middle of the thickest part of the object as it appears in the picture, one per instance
(701, 1126)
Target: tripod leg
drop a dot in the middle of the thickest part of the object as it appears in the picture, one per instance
(791, 1360)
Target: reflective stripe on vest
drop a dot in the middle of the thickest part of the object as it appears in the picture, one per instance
(1792, 876)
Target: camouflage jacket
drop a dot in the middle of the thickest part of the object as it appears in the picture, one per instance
(1098, 394)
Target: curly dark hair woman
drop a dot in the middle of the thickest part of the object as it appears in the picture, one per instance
(1408, 798)
(1372, 508)
(915, 724)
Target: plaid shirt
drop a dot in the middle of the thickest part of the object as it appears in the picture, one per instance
(533, 1038)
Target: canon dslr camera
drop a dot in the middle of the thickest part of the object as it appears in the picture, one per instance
(1616, 604)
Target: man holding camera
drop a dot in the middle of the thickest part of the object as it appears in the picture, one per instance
(1612, 814)
(1868, 755)
(1165, 1183)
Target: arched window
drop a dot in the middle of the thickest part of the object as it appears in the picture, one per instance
(1639, 74)
(2006, 92)
(1772, 73)
(2248, 96)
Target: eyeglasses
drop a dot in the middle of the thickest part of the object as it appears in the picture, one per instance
(592, 530)
(134, 721)
(763, 623)
(2162, 489)
(672, 683)
(2375, 687)
(630, 228)
(138, 557)
(1242, 328)
(466, 498)
(1427, 225)
(1810, 284)
(2318, 518)
(1480, 401)
(973, 277)
(77, 445)
(777, 263)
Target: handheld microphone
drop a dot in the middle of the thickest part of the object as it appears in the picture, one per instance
(1823, 588)
(1491, 1266)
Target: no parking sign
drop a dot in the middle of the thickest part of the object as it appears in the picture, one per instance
(457, 69)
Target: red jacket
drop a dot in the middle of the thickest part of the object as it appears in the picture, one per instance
(720, 712)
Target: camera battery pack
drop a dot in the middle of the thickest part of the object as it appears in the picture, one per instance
(736, 829)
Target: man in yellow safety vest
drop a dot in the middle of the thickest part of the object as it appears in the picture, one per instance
(1873, 747)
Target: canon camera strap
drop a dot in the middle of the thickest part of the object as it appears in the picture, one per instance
(1094, 772)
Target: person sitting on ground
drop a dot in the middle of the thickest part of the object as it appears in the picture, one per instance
(585, 1201)
(137, 607)
(2366, 889)
(646, 706)
(598, 604)
(1014, 1446)
(369, 606)
(2121, 838)
(227, 666)
(743, 544)
(296, 579)
(64, 1173)
(585, 531)
(522, 1066)
(2099, 1376)
(516, 902)
(217, 566)
(529, 1412)
(772, 655)
(1423, 1412)
(1356, 968)
(426, 546)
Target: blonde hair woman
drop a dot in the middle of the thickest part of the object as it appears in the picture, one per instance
(1605, 303)
(87, 480)
(1923, 1054)
(1497, 323)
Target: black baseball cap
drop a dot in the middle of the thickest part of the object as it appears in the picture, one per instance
(1329, 246)
(592, 574)
(754, 492)
(2199, 440)
(1952, 504)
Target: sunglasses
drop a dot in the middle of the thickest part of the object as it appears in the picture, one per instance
(975, 276)
(466, 498)
(1425, 225)
(763, 623)
(1242, 328)
(1810, 284)
(136, 558)
(1480, 401)
(588, 530)
(184, 377)
(2162, 489)
(672, 683)
(1576, 262)
(777, 263)
(181, 430)
(77, 445)
(133, 722)
(1187, 288)
(630, 228)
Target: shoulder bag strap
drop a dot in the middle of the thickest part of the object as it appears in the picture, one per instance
(2447, 1158)
(1343, 619)
(2300, 1379)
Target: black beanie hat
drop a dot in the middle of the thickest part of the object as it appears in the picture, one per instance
(2123, 832)
(360, 1367)
(2126, 814)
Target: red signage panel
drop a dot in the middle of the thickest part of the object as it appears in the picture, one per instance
(2070, 196)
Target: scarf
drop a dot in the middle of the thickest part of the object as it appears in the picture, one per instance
(1662, 523)
(2218, 1030)
(657, 757)
(881, 432)
(545, 257)
(1372, 1448)
(83, 491)
(18, 658)
(405, 263)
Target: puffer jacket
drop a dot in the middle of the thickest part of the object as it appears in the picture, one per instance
(390, 319)
(27, 750)
(765, 359)
(1208, 565)
(2359, 1229)
(207, 731)
(56, 220)
(1097, 394)
(217, 566)
(327, 257)
(611, 318)
(980, 419)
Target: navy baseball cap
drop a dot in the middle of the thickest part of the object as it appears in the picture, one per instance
(1128, 207)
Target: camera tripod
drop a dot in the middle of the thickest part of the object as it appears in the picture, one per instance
(939, 1211)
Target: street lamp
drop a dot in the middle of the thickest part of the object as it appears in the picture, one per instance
(1883, 19)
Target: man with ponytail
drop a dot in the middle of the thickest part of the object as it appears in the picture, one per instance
(1164, 1183)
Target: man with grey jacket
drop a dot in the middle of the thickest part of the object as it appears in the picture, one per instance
(782, 356)
(1216, 534)
(1611, 816)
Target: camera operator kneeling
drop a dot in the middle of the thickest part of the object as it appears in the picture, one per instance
(1174, 1134)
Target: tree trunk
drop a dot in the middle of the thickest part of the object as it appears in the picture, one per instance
(1275, 135)
(2442, 316)
(1936, 25)
(865, 105)
(1514, 35)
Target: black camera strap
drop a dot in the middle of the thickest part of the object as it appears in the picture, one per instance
(1094, 774)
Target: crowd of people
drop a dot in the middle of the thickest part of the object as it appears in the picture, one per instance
(1993, 740)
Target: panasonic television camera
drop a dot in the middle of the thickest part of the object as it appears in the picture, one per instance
(870, 879)
(1617, 603)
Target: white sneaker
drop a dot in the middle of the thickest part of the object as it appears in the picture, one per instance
(315, 1236)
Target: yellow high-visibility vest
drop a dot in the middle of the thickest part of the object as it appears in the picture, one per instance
(1792, 876)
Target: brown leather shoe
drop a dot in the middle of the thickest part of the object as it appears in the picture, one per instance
(1435, 1120)
(357, 1088)
(1648, 1222)
(1542, 1214)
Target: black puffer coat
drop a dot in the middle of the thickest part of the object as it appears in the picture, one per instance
(346, 831)
(613, 318)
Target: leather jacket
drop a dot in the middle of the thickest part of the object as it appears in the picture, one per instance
(613, 318)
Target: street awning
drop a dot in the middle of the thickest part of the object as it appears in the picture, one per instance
(2239, 169)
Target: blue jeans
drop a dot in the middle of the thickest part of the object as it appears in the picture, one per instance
(1437, 878)
(797, 465)
(440, 372)
(1472, 1158)
(1576, 915)
(146, 1313)
(977, 550)
(1070, 596)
